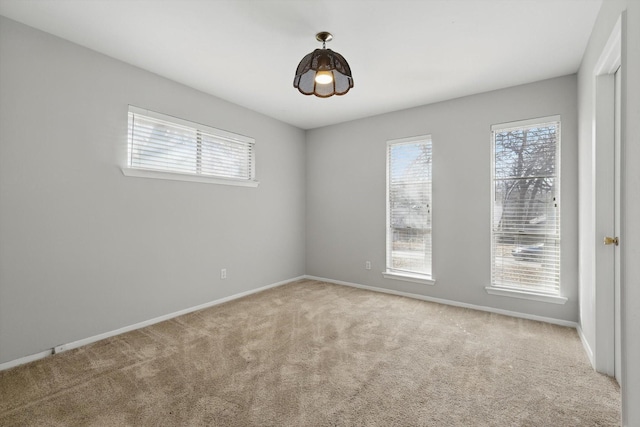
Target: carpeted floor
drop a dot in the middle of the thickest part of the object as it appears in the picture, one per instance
(317, 354)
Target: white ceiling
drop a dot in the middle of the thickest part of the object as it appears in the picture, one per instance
(403, 53)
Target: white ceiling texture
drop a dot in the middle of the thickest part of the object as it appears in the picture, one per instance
(403, 53)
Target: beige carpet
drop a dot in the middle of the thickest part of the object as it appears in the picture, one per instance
(316, 354)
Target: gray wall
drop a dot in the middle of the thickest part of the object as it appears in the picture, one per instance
(630, 183)
(85, 250)
(346, 194)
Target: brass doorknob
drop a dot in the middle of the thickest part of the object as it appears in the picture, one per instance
(611, 241)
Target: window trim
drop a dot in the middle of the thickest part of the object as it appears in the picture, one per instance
(175, 176)
(505, 290)
(389, 273)
(525, 294)
(139, 172)
(423, 279)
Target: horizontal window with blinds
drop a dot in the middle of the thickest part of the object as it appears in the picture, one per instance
(409, 206)
(158, 142)
(526, 206)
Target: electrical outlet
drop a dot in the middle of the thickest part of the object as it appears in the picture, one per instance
(223, 273)
(367, 265)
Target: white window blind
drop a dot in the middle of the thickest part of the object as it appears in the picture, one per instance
(158, 142)
(526, 206)
(409, 206)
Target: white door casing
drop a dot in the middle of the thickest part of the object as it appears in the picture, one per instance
(616, 226)
(604, 208)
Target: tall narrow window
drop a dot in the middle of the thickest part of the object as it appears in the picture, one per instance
(167, 147)
(526, 206)
(409, 208)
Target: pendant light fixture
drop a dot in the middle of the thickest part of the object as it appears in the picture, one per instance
(323, 72)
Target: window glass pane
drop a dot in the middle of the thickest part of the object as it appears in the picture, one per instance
(526, 205)
(224, 158)
(526, 152)
(162, 147)
(526, 213)
(409, 228)
(163, 143)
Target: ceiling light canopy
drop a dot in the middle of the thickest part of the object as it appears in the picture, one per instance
(323, 72)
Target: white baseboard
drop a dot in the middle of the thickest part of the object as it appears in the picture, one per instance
(587, 347)
(26, 359)
(450, 302)
(92, 339)
(75, 344)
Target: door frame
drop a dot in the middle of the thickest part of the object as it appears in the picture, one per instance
(604, 201)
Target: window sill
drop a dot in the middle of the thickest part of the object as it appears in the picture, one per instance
(145, 173)
(534, 296)
(416, 278)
